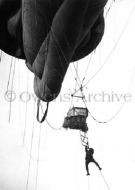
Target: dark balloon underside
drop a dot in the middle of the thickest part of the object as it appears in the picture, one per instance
(49, 35)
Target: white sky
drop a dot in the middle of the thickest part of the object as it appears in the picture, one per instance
(61, 161)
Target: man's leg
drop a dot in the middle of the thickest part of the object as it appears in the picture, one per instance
(87, 167)
(97, 165)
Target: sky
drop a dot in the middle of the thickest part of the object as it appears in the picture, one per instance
(110, 96)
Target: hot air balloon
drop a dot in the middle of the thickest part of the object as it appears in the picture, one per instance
(50, 35)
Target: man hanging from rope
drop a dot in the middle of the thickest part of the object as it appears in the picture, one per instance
(89, 158)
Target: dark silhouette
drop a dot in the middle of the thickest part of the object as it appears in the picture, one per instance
(89, 158)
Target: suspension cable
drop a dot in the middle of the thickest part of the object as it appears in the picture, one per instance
(84, 99)
(9, 76)
(59, 128)
(81, 82)
(120, 108)
(105, 180)
(37, 169)
(54, 128)
(93, 53)
(26, 108)
(88, 65)
(88, 182)
(114, 47)
(10, 92)
(31, 147)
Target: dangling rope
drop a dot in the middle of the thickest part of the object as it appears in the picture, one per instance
(26, 108)
(88, 182)
(9, 76)
(37, 169)
(48, 121)
(9, 92)
(54, 128)
(38, 110)
(12, 91)
(105, 180)
(29, 154)
(31, 147)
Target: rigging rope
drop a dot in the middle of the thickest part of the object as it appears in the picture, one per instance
(31, 147)
(37, 169)
(9, 92)
(58, 45)
(132, 78)
(111, 52)
(114, 47)
(120, 108)
(77, 80)
(93, 53)
(38, 110)
(88, 177)
(54, 128)
(10, 69)
(59, 128)
(12, 90)
(88, 65)
(105, 60)
(105, 180)
(26, 108)
(77, 75)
